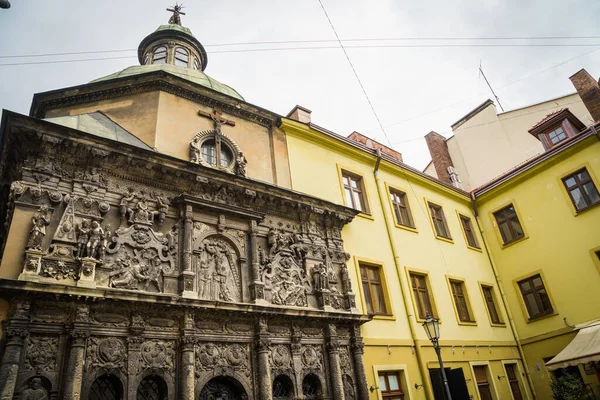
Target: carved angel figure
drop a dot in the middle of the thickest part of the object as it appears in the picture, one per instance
(38, 229)
(240, 164)
(35, 391)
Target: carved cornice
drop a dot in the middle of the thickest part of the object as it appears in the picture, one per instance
(149, 82)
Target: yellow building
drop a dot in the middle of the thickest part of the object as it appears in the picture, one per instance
(415, 250)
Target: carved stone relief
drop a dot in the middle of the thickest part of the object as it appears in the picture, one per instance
(107, 353)
(217, 269)
(158, 355)
(41, 353)
(312, 357)
(281, 357)
(210, 356)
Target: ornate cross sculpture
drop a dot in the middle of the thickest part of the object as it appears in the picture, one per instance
(217, 118)
(176, 10)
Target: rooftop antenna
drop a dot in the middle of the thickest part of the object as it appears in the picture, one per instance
(176, 10)
(490, 86)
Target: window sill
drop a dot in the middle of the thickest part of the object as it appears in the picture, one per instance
(475, 248)
(406, 227)
(385, 317)
(541, 317)
(421, 320)
(467, 323)
(366, 216)
(444, 239)
(579, 212)
(505, 245)
(500, 325)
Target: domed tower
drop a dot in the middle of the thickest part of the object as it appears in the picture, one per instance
(173, 48)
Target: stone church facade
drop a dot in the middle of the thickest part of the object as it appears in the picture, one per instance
(152, 248)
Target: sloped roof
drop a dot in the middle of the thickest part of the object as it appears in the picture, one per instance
(98, 124)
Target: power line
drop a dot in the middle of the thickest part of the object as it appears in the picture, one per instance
(354, 46)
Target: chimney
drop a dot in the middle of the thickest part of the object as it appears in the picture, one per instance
(589, 91)
(300, 114)
(438, 148)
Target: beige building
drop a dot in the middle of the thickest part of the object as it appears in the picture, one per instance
(485, 143)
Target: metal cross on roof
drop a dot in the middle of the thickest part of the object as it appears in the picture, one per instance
(176, 10)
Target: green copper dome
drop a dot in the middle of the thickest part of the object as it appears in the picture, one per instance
(192, 75)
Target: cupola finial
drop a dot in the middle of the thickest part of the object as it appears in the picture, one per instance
(176, 10)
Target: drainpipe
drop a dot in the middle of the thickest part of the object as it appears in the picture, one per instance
(405, 296)
(511, 321)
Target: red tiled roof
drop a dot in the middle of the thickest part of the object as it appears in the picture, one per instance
(548, 117)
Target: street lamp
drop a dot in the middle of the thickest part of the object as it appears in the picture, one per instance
(432, 328)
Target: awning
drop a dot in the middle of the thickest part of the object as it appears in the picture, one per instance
(584, 348)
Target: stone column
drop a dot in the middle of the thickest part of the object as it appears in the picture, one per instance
(258, 290)
(358, 349)
(133, 364)
(265, 383)
(187, 367)
(9, 368)
(187, 275)
(74, 370)
(335, 371)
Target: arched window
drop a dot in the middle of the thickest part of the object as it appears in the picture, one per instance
(152, 387)
(160, 55)
(311, 387)
(213, 157)
(196, 63)
(181, 57)
(147, 59)
(106, 387)
(283, 388)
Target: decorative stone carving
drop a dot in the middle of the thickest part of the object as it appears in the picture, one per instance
(39, 222)
(108, 353)
(283, 271)
(35, 391)
(240, 164)
(345, 278)
(158, 355)
(281, 357)
(59, 269)
(41, 353)
(210, 356)
(345, 363)
(217, 270)
(312, 357)
(349, 392)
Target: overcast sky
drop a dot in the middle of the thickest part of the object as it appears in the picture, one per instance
(413, 89)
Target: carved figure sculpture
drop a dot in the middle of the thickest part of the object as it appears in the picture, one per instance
(240, 164)
(195, 151)
(153, 274)
(35, 391)
(140, 213)
(83, 236)
(124, 209)
(346, 285)
(162, 204)
(128, 275)
(95, 240)
(104, 244)
(320, 277)
(38, 229)
(215, 269)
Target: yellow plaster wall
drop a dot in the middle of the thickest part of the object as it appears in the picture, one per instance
(489, 144)
(558, 243)
(13, 258)
(136, 113)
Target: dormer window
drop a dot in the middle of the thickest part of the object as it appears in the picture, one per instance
(556, 128)
(160, 55)
(181, 57)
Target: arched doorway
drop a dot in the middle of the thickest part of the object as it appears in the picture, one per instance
(106, 387)
(152, 387)
(283, 388)
(223, 388)
(311, 387)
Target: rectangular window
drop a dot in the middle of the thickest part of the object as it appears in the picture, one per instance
(535, 296)
(483, 385)
(581, 188)
(354, 191)
(469, 233)
(421, 294)
(461, 301)
(508, 224)
(390, 385)
(401, 208)
(372, 289)
(439, 221)
(490, 302)
(513, 381)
